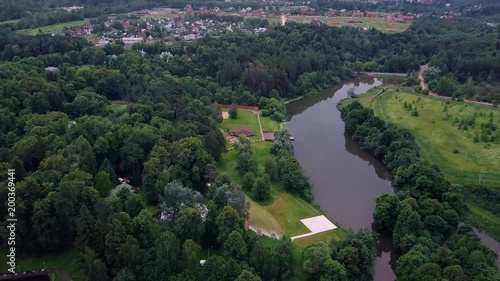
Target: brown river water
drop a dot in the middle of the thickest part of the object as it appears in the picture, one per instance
(346, 180)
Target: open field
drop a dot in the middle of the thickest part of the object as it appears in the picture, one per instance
(53, 29)
(380, 24)
(66, 261)
(441, 142)
(461, 159)
(246, 119)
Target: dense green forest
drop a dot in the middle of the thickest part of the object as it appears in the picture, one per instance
(69, 143)
(423, 217)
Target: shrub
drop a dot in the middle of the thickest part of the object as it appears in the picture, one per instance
(233, 113)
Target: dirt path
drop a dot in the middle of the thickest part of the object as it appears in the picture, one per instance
(260, 124)
(424, 86)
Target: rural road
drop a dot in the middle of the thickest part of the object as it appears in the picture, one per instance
(424, 86)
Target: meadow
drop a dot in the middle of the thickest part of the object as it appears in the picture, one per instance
(379, 24)
(442, 136)
(450, 135)
(53, 29)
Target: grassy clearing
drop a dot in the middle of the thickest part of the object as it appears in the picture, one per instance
(246, 119)
(260, 217)
(268, 124)
(117, 107)
(288, 210)
(380, 24)
(53, 29)
(66, 261)
(461, 159)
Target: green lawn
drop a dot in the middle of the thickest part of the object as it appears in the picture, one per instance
(380, 24)
(246, 119)
(55, 28)
(462, 160)
(268, 124)
(66, 261)
(228, 165)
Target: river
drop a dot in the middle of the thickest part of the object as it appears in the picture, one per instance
(346, 179)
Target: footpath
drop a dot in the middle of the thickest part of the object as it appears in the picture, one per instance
(424, 86)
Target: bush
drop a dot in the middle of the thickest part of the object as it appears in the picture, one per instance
(456, 151)
(233, 113)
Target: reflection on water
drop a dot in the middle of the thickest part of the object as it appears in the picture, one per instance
(386, 259)
(354, 148)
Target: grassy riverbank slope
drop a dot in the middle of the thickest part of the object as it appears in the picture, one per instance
(449, 135)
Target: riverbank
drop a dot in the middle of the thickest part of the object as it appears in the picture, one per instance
(282, 213)
(450, 135)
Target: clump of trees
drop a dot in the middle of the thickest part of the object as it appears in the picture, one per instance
(288, 168)
(255, 182)
(233, 113)
(350, 259)
(422, 218)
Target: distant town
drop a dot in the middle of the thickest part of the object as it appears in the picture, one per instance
(188, 24)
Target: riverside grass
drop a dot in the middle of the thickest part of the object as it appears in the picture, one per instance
(453, 150)
(462, 160)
